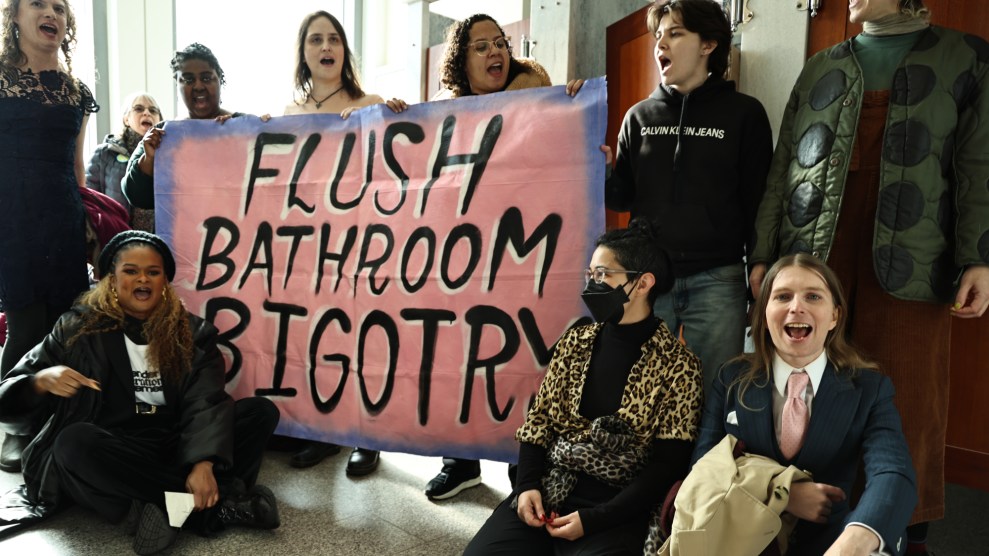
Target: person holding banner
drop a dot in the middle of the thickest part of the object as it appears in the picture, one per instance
(327, 82)
(694, 156)
(613, 424)
(326, 77)
(44, 111)
(200, 77)
(479, 60)
(127, 392)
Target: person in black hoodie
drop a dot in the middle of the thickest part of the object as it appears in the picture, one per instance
(694, 157)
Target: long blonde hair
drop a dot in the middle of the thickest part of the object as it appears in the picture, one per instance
(166, 329)
(845, 357)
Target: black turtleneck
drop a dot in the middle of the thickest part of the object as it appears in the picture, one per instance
(616, 350)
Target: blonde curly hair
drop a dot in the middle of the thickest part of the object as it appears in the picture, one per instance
(166, 329)
(11, 54)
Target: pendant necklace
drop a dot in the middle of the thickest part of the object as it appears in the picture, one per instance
(319, 103)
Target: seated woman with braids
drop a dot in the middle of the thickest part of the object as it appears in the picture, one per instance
(614, 422)
(125, 400)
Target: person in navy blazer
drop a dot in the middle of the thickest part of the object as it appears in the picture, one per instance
(799, 324)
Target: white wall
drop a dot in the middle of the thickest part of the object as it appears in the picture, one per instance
(774, 48)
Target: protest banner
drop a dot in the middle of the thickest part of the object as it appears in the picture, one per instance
(392, 281)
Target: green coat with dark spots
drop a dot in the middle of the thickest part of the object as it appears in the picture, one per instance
(933, 211)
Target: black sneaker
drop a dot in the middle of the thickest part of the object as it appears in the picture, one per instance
(257, 509)
(452, 480)
(133, 517)
(313, 453)
(153, 532)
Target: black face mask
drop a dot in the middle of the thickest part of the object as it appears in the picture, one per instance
(605, 303)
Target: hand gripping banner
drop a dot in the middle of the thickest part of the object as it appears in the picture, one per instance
(391, 281)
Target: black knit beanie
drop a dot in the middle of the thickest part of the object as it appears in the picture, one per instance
(138, 236)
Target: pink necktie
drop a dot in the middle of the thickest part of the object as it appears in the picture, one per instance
(795, 415)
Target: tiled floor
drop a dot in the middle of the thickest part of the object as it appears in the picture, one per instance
(322, 511)
(325, 512)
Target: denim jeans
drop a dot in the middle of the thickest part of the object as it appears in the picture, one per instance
(711, 307)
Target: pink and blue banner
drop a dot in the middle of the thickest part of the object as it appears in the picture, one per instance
(392, 281)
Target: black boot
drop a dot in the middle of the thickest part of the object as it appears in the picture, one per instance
(257, 509)
(10, 453)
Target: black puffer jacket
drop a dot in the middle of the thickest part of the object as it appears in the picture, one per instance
(204, 412)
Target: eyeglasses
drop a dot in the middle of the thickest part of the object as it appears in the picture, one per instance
(481, 47)
(190, 79)
(141, 108)
(599, 273)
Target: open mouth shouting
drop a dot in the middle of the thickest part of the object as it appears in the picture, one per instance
(797, 330)
(664, 63)
(49, 30)
(496, 69)
(142, 293)
(327, 62)
(146, 123)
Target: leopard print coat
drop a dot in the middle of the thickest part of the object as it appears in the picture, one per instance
(662, 399)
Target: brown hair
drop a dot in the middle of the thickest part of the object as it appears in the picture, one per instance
(166, 329)
(303, 75)
(11, 54)
(453, 68)
(706, 18)
(845, 357)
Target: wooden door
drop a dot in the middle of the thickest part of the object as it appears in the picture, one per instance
(967, 453)
(632, 76)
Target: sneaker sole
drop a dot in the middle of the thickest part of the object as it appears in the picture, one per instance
(470, 483)
(153, 532)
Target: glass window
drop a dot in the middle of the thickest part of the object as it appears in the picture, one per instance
(255, 46)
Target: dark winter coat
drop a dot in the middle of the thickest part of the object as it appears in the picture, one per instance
(203, 411)
(933, 214)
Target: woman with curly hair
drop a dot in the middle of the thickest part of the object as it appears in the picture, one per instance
(44, 110)
(199, 77)
(613, 424)
(479, 61)
(126, 397)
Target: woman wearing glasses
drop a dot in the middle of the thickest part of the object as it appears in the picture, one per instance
(199, 77)
(478, 61)
(615, 419)
(109, 161)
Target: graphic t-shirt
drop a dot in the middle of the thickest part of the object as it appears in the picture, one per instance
(147, 383)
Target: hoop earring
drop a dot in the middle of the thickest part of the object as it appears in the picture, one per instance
(115, 298)
(164, 294)
(17, 32)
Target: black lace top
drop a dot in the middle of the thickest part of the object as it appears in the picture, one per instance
(42, 230)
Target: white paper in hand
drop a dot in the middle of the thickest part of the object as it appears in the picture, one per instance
(178, 505)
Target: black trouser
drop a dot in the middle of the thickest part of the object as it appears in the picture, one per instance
(26, 328)
(105, 470)
(505, 534)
